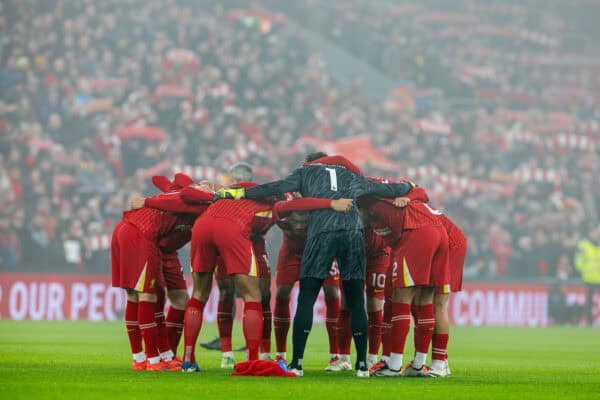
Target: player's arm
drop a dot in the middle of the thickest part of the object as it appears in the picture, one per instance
(162, 183)
(417, 194)
(385, 189)
(174, 203)
(292, 183)
(194, 196)
(283, 208)
(182, 180)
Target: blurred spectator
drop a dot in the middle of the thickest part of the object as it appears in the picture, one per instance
(587, 261)
(9, 245)
(497, 114)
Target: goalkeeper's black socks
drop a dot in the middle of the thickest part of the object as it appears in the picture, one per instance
(309, 290)
(355, 300)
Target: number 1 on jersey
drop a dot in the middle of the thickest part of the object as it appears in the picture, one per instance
(332, 178)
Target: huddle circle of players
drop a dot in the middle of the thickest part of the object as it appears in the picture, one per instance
(343, 232)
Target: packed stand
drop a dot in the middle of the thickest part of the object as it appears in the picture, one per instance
(97, 97)
(506, 95)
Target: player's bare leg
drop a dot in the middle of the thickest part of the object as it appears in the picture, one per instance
(344, 332)
(133, 331)
(424, 324)
(375, 317)
(400, 311)
(281, 320)
(225, 320)
(179, 299)
(253, 317)
(386, 335)
(193, 318)
(166, 354)
(265, 344)
(149, 330)
(332, 302)
(439, 344)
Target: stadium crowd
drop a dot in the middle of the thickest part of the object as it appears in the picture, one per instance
(93, 105)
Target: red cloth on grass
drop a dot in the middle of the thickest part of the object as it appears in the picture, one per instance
(260, 368)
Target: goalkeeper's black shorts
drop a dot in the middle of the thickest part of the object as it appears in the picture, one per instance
(348, 247)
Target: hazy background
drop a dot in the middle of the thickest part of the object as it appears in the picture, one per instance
(492, 106)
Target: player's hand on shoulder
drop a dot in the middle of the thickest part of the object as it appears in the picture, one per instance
(232, 193)
(137, 202)
(341, 205)
(401, 201)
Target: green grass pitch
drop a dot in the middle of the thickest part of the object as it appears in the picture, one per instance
(86, 360)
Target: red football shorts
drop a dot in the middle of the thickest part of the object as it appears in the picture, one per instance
(173, 271)
(264, 271)
(288, 269)
(136, 261)
(456, 258)
(421, 259)
(377, 268)
(211, 237)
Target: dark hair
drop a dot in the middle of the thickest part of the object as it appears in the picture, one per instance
(315, 156)
(241, 172)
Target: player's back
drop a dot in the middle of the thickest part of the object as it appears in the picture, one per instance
(243, 212)
(456, 237)
(332, 182)
(152, 223)
(375, 244)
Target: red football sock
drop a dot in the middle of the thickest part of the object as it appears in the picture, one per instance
(265, 344)
(225, 324)
(375, 322)
(439, 346)
(174, 323)
(281, 323)
(192, 324)
(252, 327)
(413, 311)
(133, 328)
(331, 323)
(400, 326)
(148, 327)
(386, 328)
(159, 318)
(424, 324)
(344, 332)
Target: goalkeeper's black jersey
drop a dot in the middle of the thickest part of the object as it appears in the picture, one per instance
(331, 182)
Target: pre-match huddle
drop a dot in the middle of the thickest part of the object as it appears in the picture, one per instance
(342, 231)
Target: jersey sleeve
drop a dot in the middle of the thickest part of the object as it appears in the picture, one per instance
(162, 183)
(292, 183)
(418, 193)
(182, 179)
(173, 202)
(283, 208)
(191, 195)
(384, 189)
